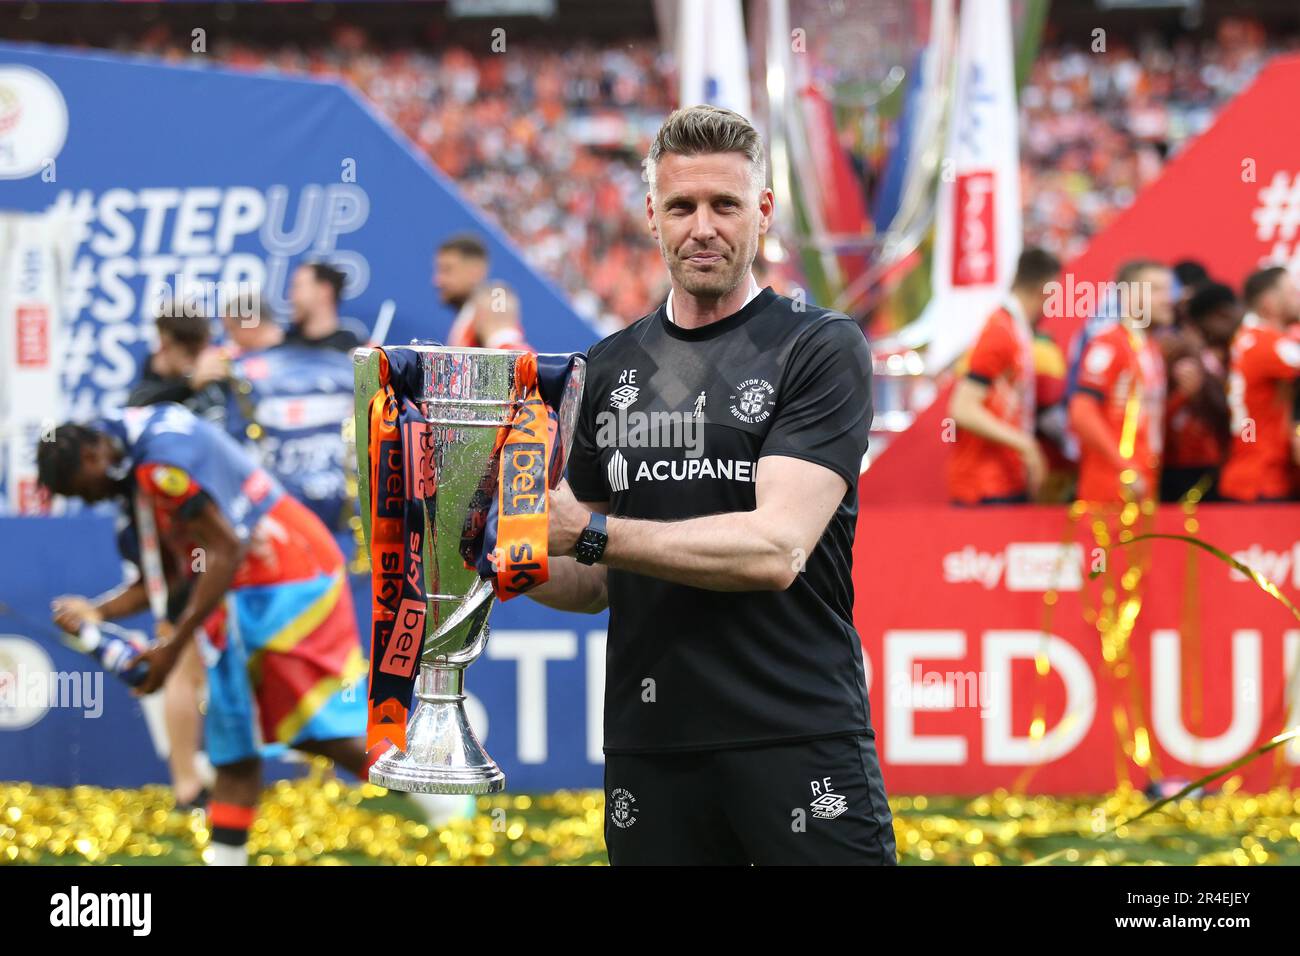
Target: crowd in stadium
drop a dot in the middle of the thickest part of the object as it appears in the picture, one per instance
(1097, 126)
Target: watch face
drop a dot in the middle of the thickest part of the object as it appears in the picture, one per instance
(591, 545)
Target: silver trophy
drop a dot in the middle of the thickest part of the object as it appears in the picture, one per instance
(466, 395)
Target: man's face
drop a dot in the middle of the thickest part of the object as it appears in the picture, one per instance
(1158, 296)
(1285, 299)
(92, 482)
(456, 275)
(171, 360)
(244, 332)
(707, 215)
(305, 293)
(1040, 297)
(1220, 326)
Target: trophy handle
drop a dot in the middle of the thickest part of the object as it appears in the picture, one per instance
(469, 617)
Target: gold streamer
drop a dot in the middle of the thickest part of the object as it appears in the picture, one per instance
(1263, 583)
(1042, 665)
(1120, 604)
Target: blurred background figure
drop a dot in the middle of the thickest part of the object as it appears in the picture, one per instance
(487, 312)
(315, 292)
(1117, 409)
(996, 458)
(249, 325)
(1261, 391)
(1196, 413)
(185, 367)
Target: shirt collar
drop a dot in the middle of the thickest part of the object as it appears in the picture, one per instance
(753, 291)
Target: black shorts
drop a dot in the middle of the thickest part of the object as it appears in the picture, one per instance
(813, 802)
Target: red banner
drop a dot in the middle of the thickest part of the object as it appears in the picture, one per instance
(974, 255)
(955, 628)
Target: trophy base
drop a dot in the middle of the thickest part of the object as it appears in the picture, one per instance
(396, 770)
(442, 755)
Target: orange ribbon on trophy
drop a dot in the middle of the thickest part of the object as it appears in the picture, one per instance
(506, 535)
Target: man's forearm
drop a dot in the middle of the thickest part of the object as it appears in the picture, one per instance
(1089, 424)
(572, 587)
(210, 587)
(122, 601)
(978, 420)
(735, 551)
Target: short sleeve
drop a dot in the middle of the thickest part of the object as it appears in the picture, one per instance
(584, 472)
(1099, 367)
(994, 354)
(1282, 360)
(824, 409)
(172, 488)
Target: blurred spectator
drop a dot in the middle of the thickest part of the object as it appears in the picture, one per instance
(184, 368)
(1196, 412)
(315, 292)
(487, 313)
(547, 142)
(1117, 409)
(1097, 127)
(1261, 387)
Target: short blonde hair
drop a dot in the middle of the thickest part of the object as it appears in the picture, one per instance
(695, 130)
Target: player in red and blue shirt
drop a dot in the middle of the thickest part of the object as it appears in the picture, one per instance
(269, 607)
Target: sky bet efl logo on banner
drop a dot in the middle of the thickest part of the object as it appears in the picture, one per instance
(278, 171)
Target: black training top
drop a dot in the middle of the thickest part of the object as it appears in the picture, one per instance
(688, 668)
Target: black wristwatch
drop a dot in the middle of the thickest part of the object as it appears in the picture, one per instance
(592, 541)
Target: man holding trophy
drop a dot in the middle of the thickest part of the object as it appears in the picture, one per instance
(737, 728)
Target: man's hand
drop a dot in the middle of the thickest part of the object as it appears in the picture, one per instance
(1035, 466)
(211, 366)
(565, 520)
(71, 611)
(161, 658)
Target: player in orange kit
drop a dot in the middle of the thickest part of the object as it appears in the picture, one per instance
(996, 459)
(1261, 386)
(1117, 411)
(487, 311)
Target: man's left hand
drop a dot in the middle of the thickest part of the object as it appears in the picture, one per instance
(161, 658)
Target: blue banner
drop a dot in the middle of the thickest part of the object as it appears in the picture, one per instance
(209, 177)
(535, 696)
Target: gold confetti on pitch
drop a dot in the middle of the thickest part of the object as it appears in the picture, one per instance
(319, 820)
